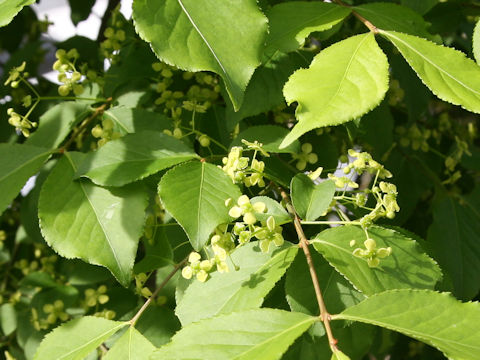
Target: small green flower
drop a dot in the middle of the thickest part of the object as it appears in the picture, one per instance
(248, 210)
(269, 232)
(306, 156)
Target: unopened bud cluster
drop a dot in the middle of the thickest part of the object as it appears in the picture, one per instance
(67, 72)
(105, 132)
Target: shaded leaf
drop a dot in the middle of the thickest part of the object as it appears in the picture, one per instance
(191, 34)
(291, 22)
(407, 266)
(132, 345)
(344, 81)
(448, 73)
(130, 120)
(390, 16)
(17, 164)
(97, 225)
(80, 10)
(8, 318)
(133, 157)
(435, 318)
(454, 239)
(195, 193)
(158, 324)
(255, 334)
(309, 200)
(237, 290)
(56, 123)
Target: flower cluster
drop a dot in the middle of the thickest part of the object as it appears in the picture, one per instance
(105, 132)
(370, 252)
(21, 123)
(364, 162)
(415, 137)
(53, 312)
(306, 156)
(237, 167)
(386, 195)
(16, 75)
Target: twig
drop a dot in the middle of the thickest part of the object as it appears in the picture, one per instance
(160, 287)
(98, 111)
(303, 243)
(367, 23)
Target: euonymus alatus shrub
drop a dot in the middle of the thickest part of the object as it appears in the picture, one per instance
(233, 179)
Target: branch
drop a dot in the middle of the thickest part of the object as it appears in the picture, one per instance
(324, 315)
(367, 23)
(160, 287)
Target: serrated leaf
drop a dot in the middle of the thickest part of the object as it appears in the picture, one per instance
(291, 22)
(448, 73)
(17, 164)
(195, 193)
(344, 81)
(132, 345)
(77, 338)
(191, 34)
(236, 290)
(476, 42)
(81, 220)
(133, 157)
(309, 200)
(406, 267)
(435, 318)
(10, 8)
(274, 208)
(255, 334)
(454, 239)
(56, 123)
(389, 16)
(130, 120)
(270, 136)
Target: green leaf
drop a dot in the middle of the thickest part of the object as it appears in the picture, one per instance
(338, 355)
(56, 123)
(8, 318)
(158, 251)
(344, 81)
(437, 319)
(77, 338)
(130, 120)
(309, 200)
(264, 91)
(238, 290)
(448, 73)
(132, 345)
(274, 208)
(476, 42)
(10, 8)
(454, 239)
(133, 157)
(421, 7)
(195, 193)
(255, 334)
(270, 136)
(80, 10)
(204, 35)
(389, 16)
(157, 331)
(81, 220)
(17, 164)
(406, 267)
(291, 22)
(337, 292)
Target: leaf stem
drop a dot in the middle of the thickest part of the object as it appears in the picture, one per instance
(160, 287)
(303, 243)
(98, 111)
